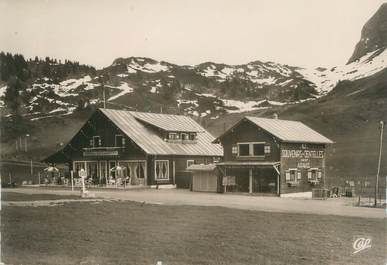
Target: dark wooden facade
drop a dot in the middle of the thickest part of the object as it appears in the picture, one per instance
(282, 168)
(101, 145)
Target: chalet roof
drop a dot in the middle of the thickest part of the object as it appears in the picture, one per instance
(168, 122)
(288, 131)
(128, 122)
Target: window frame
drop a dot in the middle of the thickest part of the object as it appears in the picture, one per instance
(122, 140)
(186, 135)
(190, 161)
(251, 149)
(172, 133)
(99, 141)
(156, 177)
(297, 175)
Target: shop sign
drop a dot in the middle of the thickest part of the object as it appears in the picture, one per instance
(100, 153)
(229, 181)
(299, 153)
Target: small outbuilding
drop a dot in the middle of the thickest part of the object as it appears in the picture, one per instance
(205, 178)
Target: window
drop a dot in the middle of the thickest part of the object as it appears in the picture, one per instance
(161, 169)
(314, 175)
(190, 162)
(192, 136)
(244, 149)
(251, 149)
(258, 149)
(172, 136)
(184, 136)
(267, 149)
(140, 172)
(120, 140)
(234, 149)
(96, 141)
(292, 175)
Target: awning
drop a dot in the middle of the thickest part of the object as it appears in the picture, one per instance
(248, 164)
(201, 167)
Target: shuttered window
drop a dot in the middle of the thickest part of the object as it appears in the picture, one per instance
(292, 175)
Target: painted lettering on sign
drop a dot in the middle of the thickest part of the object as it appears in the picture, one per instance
(100, 153)
(305, 154)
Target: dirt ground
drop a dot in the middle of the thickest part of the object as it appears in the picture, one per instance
(106, 232)
(338, 206)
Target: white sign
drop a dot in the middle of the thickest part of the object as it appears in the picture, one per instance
(360, 244)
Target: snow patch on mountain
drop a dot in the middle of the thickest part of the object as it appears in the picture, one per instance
(242, 106)
(326, 80)
(125, 89)
(156, 67)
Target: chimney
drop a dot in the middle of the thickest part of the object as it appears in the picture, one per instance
(275, 116)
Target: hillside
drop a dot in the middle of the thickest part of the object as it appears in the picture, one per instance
(349, 115)
(373, 35)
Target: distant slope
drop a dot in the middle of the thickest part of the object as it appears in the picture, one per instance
(373, 35)
(349, 115)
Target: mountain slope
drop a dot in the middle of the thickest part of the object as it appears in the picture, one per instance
(373, 35)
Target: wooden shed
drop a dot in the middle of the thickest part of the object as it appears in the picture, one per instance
(204, 178)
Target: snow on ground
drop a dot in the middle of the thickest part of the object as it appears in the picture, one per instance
(211, 71)
(366, 66)
(242, 106)
(2, 90)
(186, 101)
(58, 110)
(125, 89)
(122, 75)
(2, 93)
(134, 66)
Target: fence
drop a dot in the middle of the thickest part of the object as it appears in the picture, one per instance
(19, 171)
(362, 187)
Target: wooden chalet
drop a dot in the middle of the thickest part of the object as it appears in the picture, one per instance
(272, 156)
(138, 148)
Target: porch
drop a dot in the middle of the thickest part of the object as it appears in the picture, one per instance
(258, 178)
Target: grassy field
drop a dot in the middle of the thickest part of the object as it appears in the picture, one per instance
(14, 196)
(133, 233)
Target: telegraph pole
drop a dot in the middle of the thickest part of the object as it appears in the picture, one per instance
(379, 162)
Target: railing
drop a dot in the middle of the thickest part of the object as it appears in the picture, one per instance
(102, 151)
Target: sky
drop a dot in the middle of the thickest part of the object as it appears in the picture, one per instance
(306, 33)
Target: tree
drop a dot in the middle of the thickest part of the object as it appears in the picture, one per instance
(12, 97)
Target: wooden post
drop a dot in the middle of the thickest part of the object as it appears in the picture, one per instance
(72, 180)
(379, 161)
(250, 180)
(173, 172)
(32, 171)
(225, 175)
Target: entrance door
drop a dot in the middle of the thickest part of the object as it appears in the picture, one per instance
(264, 180)
(102, 172)
(112, 174)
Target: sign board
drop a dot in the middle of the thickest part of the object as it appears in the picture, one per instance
(100, 153)
(229, 181)
(302, 156)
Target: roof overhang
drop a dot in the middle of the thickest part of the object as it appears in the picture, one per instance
(248, 164)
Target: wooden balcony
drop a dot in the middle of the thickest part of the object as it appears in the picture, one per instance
(102, 151)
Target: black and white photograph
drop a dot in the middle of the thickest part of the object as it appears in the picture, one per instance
(173, 132)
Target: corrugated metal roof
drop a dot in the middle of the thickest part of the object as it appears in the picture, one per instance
(169, 122)
(290, 131)
(152, 144)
